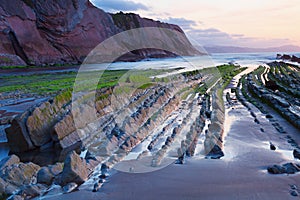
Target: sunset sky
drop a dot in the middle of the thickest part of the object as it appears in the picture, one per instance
(250, 23)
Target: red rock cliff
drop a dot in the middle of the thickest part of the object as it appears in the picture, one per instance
(65, 31)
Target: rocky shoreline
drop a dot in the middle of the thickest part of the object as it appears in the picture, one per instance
(166, 119)
(117, 129)
(256, 89)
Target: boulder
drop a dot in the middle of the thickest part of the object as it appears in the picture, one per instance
(8, 161)
(296, 153)
(63, 128)
(75, 170)
(39, 124)
(31, 191)
(20, 174)
(56, 169)
(44, 176)
(7, 188)
(17, 135)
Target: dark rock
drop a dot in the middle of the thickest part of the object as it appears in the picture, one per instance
(269, 116)
(44, 176)
(276, 169)
(215, 153)
(180, 161)
(272, 147)
(104, 175)
(288, 168)
(296, 153)
(8, 161)
(17, 135)
(295, 59)
(70, 187)
(294, 193)
(47, 146)
(272, 85)
(75, 170)
(104, 168)
(97, 186)
(294, 187)
(169, 140)
(291, 168)
(90, 156)
(285, 57)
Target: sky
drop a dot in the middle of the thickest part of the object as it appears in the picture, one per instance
(244, 23)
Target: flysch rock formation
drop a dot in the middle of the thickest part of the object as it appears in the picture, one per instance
(108, 139)
(52, 32)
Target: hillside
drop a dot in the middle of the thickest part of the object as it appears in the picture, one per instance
(65, 31)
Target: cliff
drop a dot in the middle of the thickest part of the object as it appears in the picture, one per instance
(65, 31)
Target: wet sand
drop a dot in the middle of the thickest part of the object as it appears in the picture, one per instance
(241, 174)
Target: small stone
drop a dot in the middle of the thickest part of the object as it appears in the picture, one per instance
(296, 154)
(45, 176)
(272, 147)
(294, 193)
(101, 181)
(104, 176)
(97, 186)
(215, 153)
(75, 170)
(294, 187)
(269, 116)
